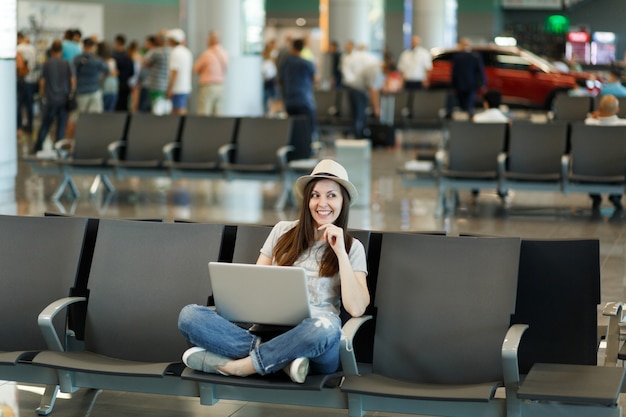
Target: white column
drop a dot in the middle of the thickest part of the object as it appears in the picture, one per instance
(244, 82)
(435, 22)
(8, 108)
(8, 138)
(349, 20)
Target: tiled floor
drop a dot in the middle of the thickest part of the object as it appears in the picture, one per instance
(392, 207)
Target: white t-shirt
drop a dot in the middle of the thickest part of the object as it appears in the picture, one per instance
(415, 63)
(29, 53)
(324, 292)
(605, 121)
(491, 116)
(181, 60)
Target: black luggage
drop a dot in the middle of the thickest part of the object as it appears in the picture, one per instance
(383, 132)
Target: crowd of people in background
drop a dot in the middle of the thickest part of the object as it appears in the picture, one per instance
(157, 76)
(85, 74)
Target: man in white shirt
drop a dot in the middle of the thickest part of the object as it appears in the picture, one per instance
(606, 116)
(492, 114)
(415, 64)
(180, 70)
(362, 78)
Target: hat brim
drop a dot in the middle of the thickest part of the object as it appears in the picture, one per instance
(301, 182)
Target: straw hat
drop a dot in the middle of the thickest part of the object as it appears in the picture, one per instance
(329, 169)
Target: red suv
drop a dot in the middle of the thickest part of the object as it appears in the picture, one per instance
(522, 77)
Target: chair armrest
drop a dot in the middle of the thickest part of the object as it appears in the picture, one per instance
(225, 152)
(565, 168)
(510, 368)
(441, 157)
(502, 159)
(612, 310)
(281, 155)
(510, 346)
(46, 317)
(346, 348)
(114, 149)
(168, 151)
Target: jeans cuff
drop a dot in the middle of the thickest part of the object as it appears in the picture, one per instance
(256, 362)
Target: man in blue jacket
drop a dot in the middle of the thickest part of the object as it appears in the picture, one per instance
(468, 76)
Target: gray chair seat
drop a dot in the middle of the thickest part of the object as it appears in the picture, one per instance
(200, 166)
(380, 385)
(94, 363)
(577, 384)
(278, 381)
(268, 168)
(524, 176)
(154, 163)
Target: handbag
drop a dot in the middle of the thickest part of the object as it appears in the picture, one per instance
(72, 104)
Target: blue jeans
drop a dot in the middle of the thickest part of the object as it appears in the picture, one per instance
(358, 104)
(25, 100)
(52, 111)
(314, 338)
(109, 100)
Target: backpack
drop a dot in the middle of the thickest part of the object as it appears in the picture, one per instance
(22, 66)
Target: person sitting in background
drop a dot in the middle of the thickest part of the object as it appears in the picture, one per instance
(614, 84)
(336, 269)
(606, 115)
(492, 100)
(393, 78)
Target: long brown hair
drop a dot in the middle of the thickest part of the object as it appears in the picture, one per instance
(294, 242)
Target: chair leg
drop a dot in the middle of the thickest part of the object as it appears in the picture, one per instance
(47, 400)
(101, 179)
(283, 198)
(95, 393)
(67, 181)
(107, 183)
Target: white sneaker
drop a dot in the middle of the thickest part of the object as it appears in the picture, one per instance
(202, 360)
(297, 370)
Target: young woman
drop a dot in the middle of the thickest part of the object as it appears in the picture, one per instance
(336, 270)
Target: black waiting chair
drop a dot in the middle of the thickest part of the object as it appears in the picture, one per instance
(142, 275)
(37, 269)
(571, 108)
(89, 150)
(417, 366)
(597, 159)
(141, 154)
(470, 160)
(534, 157)
(196, 155)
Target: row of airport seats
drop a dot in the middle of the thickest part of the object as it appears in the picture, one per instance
(457, 325)
(555, 156)
(147, 145)
(425, 109)
(406, 109)
(577, 108)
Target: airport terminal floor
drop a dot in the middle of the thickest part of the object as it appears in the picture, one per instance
(392, 208)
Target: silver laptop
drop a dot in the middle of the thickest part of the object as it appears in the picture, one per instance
(260, 294)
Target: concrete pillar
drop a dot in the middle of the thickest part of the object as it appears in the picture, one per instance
(8, 122)
(244, 82)
(349, 20)
(435, 22)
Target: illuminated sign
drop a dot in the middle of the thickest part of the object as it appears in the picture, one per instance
(578, 37)
(604, 37)
(557, 24)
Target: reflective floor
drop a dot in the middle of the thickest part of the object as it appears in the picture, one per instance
(392, 207)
